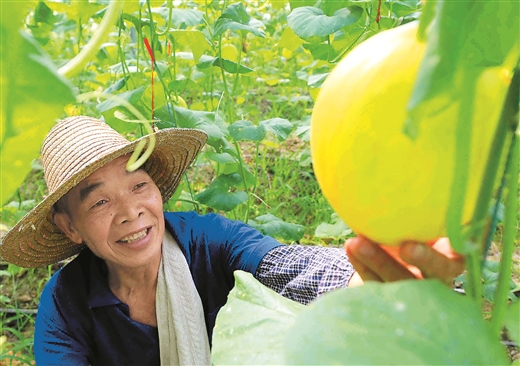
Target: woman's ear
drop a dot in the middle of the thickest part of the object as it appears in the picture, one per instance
(63, 221)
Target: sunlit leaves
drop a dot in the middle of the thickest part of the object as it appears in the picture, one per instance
(251, 327)
(33, 96)
(405, 323)
(290, 40)
(76, 9)
(236, 18)
(194, 39)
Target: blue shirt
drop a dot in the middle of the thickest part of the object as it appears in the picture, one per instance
(80, 321)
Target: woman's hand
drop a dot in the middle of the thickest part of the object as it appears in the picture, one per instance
(411, 260)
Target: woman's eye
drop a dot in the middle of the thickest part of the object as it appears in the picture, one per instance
(99, 203)
(139, 185)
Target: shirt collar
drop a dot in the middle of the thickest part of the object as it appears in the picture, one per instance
(99, 293)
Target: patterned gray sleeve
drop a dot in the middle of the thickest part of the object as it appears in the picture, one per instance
(302, 273)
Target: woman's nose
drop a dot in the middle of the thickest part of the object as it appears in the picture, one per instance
(128, 210)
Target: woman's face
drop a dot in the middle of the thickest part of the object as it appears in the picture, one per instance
(117, 214)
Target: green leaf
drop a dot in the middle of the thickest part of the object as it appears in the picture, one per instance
(112, 110)
(228, 65)
(280, 127)
(33, 96)
(194, 39)
(43, 14)
(402, 323)
(321, 51)
(490, 275)
(317, 80)
(245, 130)
(513, 321)
(290, 40)
(209, 122)
(76, 10)
(250, 329)
(309, 22)
(181, 18)
(299, 3)
(236, 18)
(481, 37)
(221, 158)
(273, 226)
(338, 228)
(221, 194)
(131, 96)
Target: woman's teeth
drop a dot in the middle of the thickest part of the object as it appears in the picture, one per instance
(134, 237)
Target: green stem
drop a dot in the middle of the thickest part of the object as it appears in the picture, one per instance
(230, 111)
(121, 53)
(459, 184)
(243, 174)
(508, 119)
(508, 242)
(479, 222)
(169, 22)
(239, 62)
(92, 47)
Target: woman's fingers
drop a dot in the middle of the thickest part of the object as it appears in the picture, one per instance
(438, 261)
(373, 263)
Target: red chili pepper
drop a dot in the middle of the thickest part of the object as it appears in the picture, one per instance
(152, 57)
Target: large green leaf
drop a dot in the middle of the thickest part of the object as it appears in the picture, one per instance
(236, 18)
(401, 323)
(484, 35)
(273, 226)
(280, 127)
(309, 22)
(209, 122)
(245, 130)
(33, 96)
(222, 193)
(251, 327)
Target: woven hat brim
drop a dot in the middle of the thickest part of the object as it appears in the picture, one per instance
(35, 241)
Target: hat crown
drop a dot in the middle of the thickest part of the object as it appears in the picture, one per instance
(73, 144)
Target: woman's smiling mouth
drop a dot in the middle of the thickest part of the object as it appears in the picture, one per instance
(134, 237)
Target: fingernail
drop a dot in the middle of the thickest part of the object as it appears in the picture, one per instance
(419, 251)
(366, 249)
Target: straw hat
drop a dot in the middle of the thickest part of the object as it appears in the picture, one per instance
(74, 148)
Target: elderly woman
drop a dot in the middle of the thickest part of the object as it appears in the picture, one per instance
(147, 285)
